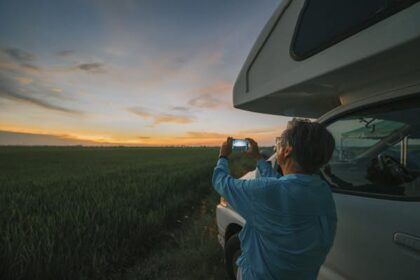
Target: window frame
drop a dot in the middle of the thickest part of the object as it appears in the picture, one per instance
(359, 109)
(340, 37)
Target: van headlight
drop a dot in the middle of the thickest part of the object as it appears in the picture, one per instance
(223, 202)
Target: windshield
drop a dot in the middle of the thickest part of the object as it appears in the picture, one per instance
(378, 150)
(357, 135)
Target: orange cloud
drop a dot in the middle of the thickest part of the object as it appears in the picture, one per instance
(22, 69)
(200, 134)
(206, 101)
(213, 57)
(160, 118)
(213, 96)
(24, 80)
(219, 88)
(57, 90)
(166, 118)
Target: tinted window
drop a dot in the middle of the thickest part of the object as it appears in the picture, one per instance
(377, 151)
(324, 23)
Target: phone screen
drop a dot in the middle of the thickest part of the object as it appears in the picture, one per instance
(240, 145)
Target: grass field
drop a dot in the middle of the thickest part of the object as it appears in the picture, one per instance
(95, 213)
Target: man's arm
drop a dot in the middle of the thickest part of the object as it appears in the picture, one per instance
(266, 170)
(240, 194)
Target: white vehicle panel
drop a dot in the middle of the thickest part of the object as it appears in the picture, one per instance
(272, 82)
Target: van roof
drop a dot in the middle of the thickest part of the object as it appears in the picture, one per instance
(380, 57)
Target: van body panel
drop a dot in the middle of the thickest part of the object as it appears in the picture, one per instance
(364, 239)
(379, 58)
(367, 243)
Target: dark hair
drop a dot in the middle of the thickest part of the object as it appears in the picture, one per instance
(312, 144)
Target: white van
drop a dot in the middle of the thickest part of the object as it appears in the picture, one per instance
(355, 66)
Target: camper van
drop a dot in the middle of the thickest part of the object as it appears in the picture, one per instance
(355, 67)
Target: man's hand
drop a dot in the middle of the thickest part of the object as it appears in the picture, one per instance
(226, 148)
(253, 150)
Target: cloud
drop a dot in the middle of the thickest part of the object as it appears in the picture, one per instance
(213, 57)
(65, 52)
(23, 61)
(19, 55)
(196, 138)
(180, 108)
(20, 59)
(167, 118)
(19, 69)
(160, 118)
(205, 101)
(212, 96)
(91, 67)
(218, 88)
(30, 66)
(57, 90)
(24, 80)
(10, 92)
(34, 101)
(139, 111)
(201, 134)
(143, 137)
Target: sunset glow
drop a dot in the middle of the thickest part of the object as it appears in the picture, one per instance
(153, 73)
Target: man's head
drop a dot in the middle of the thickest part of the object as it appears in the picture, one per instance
(304, 146)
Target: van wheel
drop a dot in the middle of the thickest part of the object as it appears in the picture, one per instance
(232, 253)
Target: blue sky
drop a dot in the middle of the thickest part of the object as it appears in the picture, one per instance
(128, 72)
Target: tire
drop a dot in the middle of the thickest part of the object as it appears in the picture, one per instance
(232, 252)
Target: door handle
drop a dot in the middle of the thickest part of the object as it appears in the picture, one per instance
(407, 240)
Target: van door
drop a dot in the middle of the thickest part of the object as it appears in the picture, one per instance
(375, 176)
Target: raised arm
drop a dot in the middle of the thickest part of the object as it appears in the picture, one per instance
(240, 194)
(264, 167)
(266, 170)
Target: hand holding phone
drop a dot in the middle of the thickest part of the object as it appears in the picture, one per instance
(253, 150)
(240, 145)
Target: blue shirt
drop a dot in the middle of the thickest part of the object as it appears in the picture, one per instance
(290, 221)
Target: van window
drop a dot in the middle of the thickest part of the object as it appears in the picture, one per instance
(377, 151)
(324, 23)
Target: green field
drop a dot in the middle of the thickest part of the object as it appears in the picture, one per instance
(94, 213)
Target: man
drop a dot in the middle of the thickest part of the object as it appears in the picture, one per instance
(290, 219)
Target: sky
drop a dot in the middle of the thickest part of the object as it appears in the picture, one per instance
(128, 72)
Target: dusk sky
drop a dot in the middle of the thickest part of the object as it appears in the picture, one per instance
(128, 72)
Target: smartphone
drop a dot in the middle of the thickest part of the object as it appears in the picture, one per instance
(240, 145)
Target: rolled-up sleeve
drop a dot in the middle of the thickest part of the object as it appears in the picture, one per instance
(266, 170)
(239, 193)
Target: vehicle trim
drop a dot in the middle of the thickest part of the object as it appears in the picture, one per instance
(374, 195)
(362, 104)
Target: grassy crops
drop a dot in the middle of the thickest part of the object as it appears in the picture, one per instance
(77, 212)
